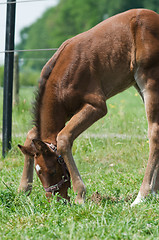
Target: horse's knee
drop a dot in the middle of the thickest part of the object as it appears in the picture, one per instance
(64, 143)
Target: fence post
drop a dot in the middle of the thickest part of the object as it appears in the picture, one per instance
(16, 80)
(8, 77)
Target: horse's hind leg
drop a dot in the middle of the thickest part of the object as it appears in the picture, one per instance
(151, 99)
(155, 180)
(78, 123)
(27, 175)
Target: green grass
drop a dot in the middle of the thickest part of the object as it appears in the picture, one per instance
(113, 166)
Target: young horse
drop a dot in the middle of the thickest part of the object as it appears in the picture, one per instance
(87, 69)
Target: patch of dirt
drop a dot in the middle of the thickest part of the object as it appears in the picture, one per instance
(98, 198)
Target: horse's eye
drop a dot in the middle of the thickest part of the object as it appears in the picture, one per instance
(38, 169)
(37, 155)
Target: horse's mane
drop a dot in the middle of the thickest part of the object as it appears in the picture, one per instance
(45, 73)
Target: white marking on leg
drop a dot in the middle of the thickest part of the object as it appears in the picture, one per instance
(138, 200)
(38, 168)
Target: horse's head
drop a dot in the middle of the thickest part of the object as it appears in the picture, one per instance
(50, 168)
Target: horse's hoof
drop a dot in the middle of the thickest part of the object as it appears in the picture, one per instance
(138, 200)
(79, 201)
(25, 188)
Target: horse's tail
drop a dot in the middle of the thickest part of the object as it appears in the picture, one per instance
(47, 69)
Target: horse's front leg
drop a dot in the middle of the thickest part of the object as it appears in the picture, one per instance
(78, 123)
(150, 182)
(27, 175)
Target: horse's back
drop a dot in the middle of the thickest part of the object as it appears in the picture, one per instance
(118, 46)
(103, 60)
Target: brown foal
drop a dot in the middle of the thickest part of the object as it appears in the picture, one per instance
(88, 69)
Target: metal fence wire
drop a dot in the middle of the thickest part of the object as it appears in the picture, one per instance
(29, 50)
(25, 50)
(25, 1)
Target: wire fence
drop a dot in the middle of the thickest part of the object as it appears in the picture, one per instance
(25, 1)
(29, 50)
(8, 78)
(25, 50)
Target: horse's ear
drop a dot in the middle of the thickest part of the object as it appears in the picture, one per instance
(41, 147)
(27, 150)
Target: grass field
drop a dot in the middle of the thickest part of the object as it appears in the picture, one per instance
(111, 156)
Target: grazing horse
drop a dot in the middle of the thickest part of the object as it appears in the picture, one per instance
(76, 82)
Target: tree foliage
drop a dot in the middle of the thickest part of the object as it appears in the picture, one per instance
(67, 19)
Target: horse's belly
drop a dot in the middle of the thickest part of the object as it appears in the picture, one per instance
(117, 82)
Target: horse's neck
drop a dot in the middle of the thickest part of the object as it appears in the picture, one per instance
(52, 116)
